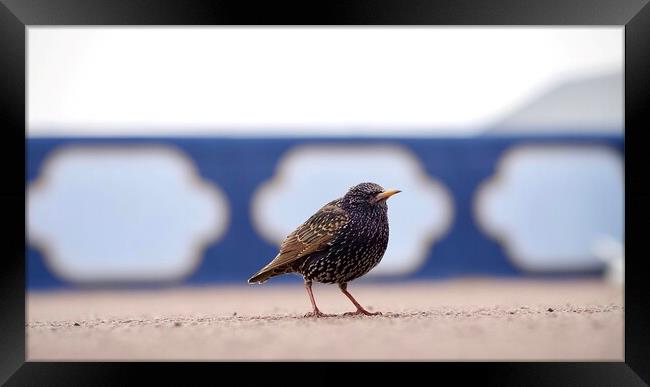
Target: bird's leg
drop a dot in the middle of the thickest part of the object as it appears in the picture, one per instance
(360, 309)
(316, 312)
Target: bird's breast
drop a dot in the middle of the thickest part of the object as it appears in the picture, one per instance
(367, 240)
(358, 248)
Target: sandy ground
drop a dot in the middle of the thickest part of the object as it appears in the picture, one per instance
(458, 320)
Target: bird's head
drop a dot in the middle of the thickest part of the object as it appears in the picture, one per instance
(368, 195)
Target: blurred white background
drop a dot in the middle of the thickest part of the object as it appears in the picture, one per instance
(99, 81)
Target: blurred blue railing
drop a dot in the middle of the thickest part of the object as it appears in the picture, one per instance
(239, 167)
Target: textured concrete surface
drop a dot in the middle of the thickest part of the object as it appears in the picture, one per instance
(457, 320)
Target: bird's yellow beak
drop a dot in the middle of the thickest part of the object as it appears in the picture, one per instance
(386, 194)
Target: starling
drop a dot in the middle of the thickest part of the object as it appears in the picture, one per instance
(344, 240)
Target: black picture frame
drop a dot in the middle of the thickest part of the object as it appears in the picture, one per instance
(16, 15)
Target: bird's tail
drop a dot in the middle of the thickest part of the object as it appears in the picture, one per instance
(260, 277)
(268, 271)
(271, 270)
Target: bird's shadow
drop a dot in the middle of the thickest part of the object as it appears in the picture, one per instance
(347, 315)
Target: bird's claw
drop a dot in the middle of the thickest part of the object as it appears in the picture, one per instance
(317, 313)
(362, 311)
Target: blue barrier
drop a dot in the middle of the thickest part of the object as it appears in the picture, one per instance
(239, 167)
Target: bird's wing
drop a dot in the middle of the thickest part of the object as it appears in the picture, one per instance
(311, 236)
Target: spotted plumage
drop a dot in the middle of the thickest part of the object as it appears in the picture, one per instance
(344, 240)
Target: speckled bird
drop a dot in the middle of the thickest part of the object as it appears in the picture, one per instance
(344, 240)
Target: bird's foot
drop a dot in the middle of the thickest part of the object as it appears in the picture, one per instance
(362, 311)
(318, 313)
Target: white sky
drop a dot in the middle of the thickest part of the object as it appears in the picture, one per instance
(96, 81)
